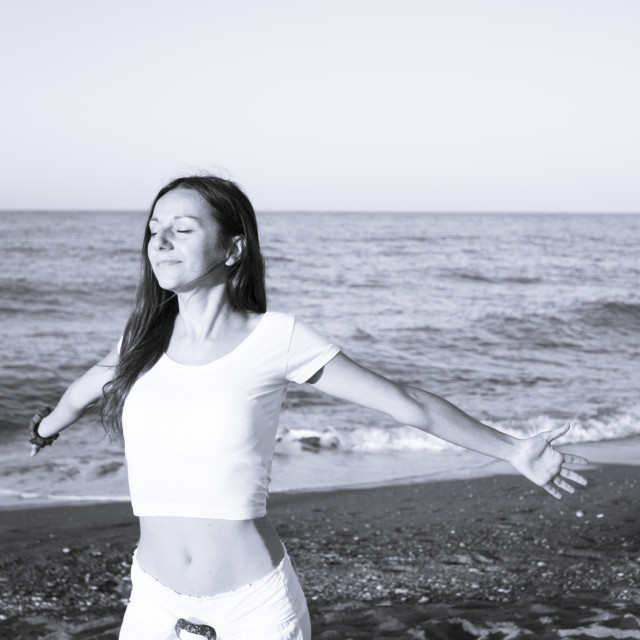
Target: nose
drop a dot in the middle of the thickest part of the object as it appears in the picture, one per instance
(160, 240)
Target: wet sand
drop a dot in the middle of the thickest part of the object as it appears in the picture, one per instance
(492, 558)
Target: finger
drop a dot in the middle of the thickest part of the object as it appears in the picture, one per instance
(550, 488)
(569, 458)
(572, 475)
(563, 484)
(558, 432)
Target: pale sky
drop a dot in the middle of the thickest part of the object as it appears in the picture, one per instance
(414, 105)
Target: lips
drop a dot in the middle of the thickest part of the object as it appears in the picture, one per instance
(166, 263)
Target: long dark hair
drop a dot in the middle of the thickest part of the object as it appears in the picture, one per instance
(148, 331)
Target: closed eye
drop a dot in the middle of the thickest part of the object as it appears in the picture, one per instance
(155, 233)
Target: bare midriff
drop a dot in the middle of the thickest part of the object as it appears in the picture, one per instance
(200, 557)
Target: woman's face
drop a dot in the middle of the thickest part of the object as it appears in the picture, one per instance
(186, 242)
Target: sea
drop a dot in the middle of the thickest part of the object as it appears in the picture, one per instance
(525, 321)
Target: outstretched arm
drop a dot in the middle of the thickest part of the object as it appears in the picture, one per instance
(78, 397)
(534, 457)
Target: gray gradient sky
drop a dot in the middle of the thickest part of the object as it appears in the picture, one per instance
(495, 105)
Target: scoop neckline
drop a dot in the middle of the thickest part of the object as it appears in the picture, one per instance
(241, 344)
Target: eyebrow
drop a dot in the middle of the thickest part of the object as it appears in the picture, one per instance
(154, 219)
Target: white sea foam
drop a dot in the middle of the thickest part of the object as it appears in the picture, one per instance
(614, 426)
(375, 439)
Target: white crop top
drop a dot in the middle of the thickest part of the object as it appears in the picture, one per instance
(199, 439)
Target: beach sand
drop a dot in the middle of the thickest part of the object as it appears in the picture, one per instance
(493, 558)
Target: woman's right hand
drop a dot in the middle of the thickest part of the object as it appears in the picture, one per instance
(36, 440)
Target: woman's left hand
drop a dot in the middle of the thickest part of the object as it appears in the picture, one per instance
(537, 460)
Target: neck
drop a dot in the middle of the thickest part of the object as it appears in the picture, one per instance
(204, 314)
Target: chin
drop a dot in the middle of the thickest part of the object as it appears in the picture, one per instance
(168, 285)
(176, 287)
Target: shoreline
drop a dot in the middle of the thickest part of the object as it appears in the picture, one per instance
(422, 560)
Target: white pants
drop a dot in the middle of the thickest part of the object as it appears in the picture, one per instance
(271, 608)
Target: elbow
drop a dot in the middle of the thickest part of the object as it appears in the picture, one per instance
(413, 410)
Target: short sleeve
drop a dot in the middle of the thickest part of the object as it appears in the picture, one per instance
(308, 352)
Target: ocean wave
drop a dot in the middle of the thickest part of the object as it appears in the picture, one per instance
(611, 314)
(606, 425)
(360, 335)
(566, 326)
(479, 277)
(278, 259)
(11, 496)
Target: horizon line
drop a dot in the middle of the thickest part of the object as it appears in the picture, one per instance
(344, 211)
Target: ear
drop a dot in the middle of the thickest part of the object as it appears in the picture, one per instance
(236, 250)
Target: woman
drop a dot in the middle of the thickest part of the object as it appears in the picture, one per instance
(195, 388)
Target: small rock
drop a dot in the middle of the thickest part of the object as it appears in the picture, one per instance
(332, 618)
(541, 608)
(348, 606)
(482, 558)
(629, 621)
(393, 625)
(461, 558)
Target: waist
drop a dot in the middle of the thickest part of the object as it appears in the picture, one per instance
(202, 556)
